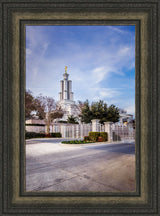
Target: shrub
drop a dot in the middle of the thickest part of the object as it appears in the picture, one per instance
(35, 124)
(48, 135)
(56, 135)
(100, 139)
(104, 135)
(94, 136)
(41, 135)
(86, 138)
(30, 135)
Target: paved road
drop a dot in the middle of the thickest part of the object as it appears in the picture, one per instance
(51, 166)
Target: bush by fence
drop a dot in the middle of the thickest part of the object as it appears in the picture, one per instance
(35, 124)
(104, 135)
(86, 138)
(56, 135)
(93, 136)
(30, 135)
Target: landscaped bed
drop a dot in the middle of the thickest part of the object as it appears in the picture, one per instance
(92, 138)
(77, 142)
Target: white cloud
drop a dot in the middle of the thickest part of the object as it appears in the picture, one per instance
(124, 51)
(109, 93)
(99, 74)
(117, 29)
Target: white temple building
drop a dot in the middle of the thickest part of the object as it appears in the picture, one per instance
(66, 101)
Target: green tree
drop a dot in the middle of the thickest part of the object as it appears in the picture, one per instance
(99, 110)
(113, 113)
(86, 113)
(72, 120)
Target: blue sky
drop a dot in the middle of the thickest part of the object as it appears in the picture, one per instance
(100, 60)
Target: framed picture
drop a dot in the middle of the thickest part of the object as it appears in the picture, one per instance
(81, 111)
(25, 189)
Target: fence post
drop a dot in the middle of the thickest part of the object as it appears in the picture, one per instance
(53, 128)
(77, 131)
(108, 129)
(72, 131)
(63, 131)
(81, 130)
(95, 124)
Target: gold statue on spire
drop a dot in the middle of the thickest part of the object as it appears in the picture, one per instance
(66, 69)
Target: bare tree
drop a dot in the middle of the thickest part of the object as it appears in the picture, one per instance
(47, 110)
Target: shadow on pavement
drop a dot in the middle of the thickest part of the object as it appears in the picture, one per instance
(124, 148)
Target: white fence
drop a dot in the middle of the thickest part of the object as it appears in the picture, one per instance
(72, 130)
(35, 128)
(116, 132)
(121, 132)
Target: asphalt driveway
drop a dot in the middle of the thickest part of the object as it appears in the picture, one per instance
(52, 166)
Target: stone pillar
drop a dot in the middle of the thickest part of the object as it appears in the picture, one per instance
(108, 129)
(95, 125)
(63, 131)
(81, 130)
(54, 126)
(72, 131)
(77, 131)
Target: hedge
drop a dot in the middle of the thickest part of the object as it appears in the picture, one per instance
(94, 136)
(56, 134)
(30, 135)
(35, 124)
(104, 135)
(86, 138)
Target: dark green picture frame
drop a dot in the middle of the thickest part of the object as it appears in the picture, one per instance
(145, 15)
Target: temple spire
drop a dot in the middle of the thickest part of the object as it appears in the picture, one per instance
(66, 69)
(66, 87)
